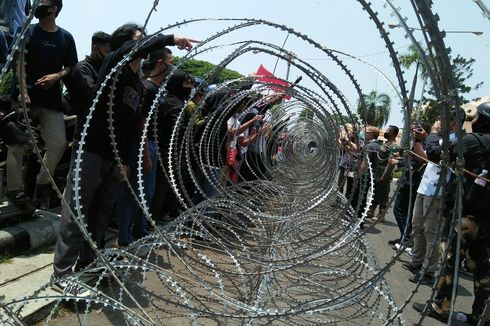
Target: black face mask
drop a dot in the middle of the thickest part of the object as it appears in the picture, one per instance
(186, 93)
(42, 11)
(480, 127)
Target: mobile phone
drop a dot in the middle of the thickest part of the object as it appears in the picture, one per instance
(418, 127)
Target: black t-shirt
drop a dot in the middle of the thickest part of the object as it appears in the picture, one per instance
(48, 53)
(81, 85)
(127, 101)
(372, 148)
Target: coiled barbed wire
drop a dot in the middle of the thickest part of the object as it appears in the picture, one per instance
(285, 248)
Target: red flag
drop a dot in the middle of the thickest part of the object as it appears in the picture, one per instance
(273, 80)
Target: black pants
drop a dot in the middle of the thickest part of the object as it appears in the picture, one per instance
(403, 216)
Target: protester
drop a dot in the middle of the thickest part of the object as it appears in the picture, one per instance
(100, 174)
(405, 198)
(131, 220)
(385, 173)
(371, 150)
(179, 87)
(51, 53)
(82, 82)
(475, 237)
(347, 161)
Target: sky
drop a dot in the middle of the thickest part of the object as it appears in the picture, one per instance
(340, 25)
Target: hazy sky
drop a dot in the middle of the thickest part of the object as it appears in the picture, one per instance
(340, 25)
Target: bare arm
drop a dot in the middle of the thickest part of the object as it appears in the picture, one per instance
(48, 81)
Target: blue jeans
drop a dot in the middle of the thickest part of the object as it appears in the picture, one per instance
(209, 187)
(400, 210)
(127, 208)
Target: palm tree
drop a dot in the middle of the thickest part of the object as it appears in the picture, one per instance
(411, 57)
(376, 109)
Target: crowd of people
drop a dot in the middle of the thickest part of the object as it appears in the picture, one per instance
(424, 207)
(54, 83)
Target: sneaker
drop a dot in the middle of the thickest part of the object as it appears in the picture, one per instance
(407, 250)
(425, 279)
(18, 197)
(379, 218)
(419, 307)
(412, 268)
(70, 289)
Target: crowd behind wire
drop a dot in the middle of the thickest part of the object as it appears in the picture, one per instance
(424, 204)
(423, 209)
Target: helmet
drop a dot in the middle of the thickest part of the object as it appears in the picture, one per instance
(484, 110)
(482, 124)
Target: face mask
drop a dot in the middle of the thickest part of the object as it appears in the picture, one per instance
(100, 55)
(165, 72)
(186, 93)
(478, 127)
(42, 11)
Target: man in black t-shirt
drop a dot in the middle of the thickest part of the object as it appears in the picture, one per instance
(371, 149)
(99, 173)
(51, 53)
(82, 82)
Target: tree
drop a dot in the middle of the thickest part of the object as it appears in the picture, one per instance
(376, 109)
(306, 115)
(341, 119)
(200, 68)
(462, 71)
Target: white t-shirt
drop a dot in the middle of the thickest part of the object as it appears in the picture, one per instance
(244, 149)
(430, 179)
(233, 123)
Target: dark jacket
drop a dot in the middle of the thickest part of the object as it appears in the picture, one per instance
(81, 85)
(170, 108)
(126, 103)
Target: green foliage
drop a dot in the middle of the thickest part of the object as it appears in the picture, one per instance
(5, 83)
(462, 71)
(306, 114)
(200, 68)
(341, 119)
(376, 111)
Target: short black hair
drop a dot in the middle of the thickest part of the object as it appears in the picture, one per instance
(158, 54)
(454, 115)
(58, 4)
(123, 34)
(394, 130)
(100, 38)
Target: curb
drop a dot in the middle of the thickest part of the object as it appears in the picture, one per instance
(31, 235)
